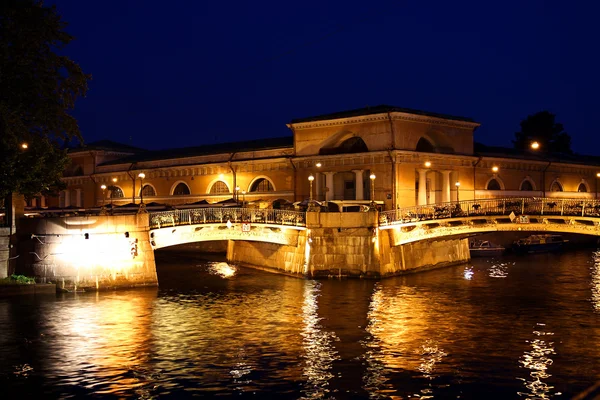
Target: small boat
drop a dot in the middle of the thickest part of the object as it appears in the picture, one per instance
(485, 248)
(539, 244)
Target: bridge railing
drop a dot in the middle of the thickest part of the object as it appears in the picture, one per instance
(497, 207)
(221, 215)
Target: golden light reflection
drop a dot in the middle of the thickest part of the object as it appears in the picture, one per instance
(499, 270)
(222, 269)
(537, 360)
(319, 352)
(409, 329)
(108, 337)
(595, 285)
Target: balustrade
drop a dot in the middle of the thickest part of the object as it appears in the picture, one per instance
(493, 207)
(164, 219)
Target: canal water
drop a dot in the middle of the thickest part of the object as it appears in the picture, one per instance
(511, 328)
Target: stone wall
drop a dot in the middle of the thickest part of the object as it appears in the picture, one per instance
(4, 251)
(88, 253)
(273, 257)
(413, 257)
(347, 245)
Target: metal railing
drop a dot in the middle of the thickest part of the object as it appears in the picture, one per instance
(221, 215)
(496, 207)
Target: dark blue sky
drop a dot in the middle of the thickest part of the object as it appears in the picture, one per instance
(186, 73)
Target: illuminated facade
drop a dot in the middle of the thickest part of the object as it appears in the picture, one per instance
(415, 157)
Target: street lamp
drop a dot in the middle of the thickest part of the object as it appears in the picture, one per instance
(310, 181)
(457, 184)
(597, 177)
(535, 145)
(372, 178)
(24, 146)
(237, 194)
(103, 187)
(142, 176)
(112, 191)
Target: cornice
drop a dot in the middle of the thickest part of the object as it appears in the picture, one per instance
(395, 116)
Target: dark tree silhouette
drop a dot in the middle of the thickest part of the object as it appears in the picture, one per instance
(38, 88)
(542, 128)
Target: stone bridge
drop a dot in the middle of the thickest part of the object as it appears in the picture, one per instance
(168, 228)
(95, 252)
(492, 215)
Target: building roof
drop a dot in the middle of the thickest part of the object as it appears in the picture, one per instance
(106, 145)
(378, 110)
(219, 148)
(530, 155)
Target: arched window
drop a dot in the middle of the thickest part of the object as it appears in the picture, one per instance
(556, 187)
(219, 187)
(148, 191)
(262, 185)
(493, 184)
(526, 185)
(425, 145)
(582, 187)
(116, 192)
(181, 189)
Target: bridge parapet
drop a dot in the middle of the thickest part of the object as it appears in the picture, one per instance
(221, 215)
(493, 207)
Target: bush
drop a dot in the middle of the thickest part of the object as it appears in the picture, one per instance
(17, 280)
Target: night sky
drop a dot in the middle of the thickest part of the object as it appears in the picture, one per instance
(186, 73)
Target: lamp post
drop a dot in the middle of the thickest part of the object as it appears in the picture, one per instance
(457, 184)
(103, 187)
(142, 176)
(237, 194)
(112, 191)
(372, 178)
(597, 177)
(310, 183)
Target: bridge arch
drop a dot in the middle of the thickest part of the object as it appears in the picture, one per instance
(495, 183)
(180, 188)
(217, 186)
(527, 184)
(260, 183)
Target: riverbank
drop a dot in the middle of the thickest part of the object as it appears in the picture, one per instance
(27, 289)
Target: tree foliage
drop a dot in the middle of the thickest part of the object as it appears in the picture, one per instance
(38, 89)
(543, 128)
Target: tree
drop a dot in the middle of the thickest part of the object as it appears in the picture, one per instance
(38, 89)
(542, 128)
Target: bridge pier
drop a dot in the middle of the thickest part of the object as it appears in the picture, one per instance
(88, 253)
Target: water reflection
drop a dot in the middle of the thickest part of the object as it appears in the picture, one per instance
(405, 340)
(468, 274)
(319, 352)
(216, 331)
(595, 284)
(107, 340)
(499, 270)
(537, 360)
